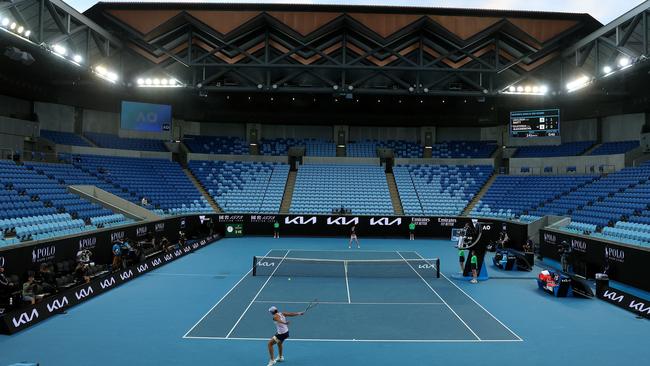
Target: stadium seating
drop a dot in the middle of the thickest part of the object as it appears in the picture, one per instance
(216, 145)
(619, 147)
(319, 148)
(361, 188)
(241, 186)
(64, 138)
(362, 149)
(279, 146)
(36, 206)
(627, 232)
(115, 142)
(403, 149)
(162, 182)
(544, 151)
(512, 196)
(463, 149)
(438, 190)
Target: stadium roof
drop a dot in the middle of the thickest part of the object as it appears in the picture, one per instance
(325, 6)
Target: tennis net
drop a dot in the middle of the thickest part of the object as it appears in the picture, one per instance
(382, 268)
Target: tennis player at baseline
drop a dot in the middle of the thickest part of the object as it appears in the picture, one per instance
(282, 332)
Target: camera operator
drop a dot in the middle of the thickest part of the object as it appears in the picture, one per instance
(181, 238)
(46, 279)
(165, 245)
(6, 286)
(30, 292)
(504, 239)
(564, 250)
(528, 246)
(117, 256)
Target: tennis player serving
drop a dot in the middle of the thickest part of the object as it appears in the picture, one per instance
(282, 332)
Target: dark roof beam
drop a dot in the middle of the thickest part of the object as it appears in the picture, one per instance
(607, 29)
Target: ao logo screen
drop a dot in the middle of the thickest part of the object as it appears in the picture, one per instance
(145, 117)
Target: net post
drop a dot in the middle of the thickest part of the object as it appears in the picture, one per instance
(254, 266)
(437, 267)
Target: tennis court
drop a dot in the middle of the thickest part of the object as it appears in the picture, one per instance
(363, 296)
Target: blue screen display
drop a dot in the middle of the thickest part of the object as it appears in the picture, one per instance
(145, 117)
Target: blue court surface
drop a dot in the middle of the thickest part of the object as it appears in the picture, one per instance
(367, 296)
(207, 309)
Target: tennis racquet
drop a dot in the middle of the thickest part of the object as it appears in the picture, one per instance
(311, 305)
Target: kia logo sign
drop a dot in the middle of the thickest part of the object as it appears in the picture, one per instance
(142, 268)
(107, 283)
(57, 304)
(300, 220)
(84, 292)
(126, 275)
(342, 221)
(385, 221)
(156, 262)
(87, 243)
(613, 296)
(159, 227)
(25, 318)
(640, 307)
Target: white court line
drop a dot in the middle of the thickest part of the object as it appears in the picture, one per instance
(257, 294)
(443, 300)
(347, 284)
(349, 303)
(476, 302)
(223, 297)
(368, 340)
(343, 251)
(189, 274)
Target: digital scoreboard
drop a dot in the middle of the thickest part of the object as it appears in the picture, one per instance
(539, 123)
(145, 117)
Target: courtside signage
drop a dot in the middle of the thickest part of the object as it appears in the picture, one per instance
(18, 320)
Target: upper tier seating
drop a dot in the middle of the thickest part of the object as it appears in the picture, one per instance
(35, 205)
(162, 182)
(278, 147)
(362, 149)
(368, 148)
(115, 142)
(618, 147)
(566, 149)
(360, 188)
(319, 148)
(614, 197)
(243, 187)
(64, 138)
(403, 149)
(216, 145)
(463, 149)
(511, 196)
(439, 190)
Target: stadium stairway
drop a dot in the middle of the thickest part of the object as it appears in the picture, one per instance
(201, 189)
(394, 194)
(288, 192)
(91, 143)
(113, 202)
(479, 195)
(588, 151)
